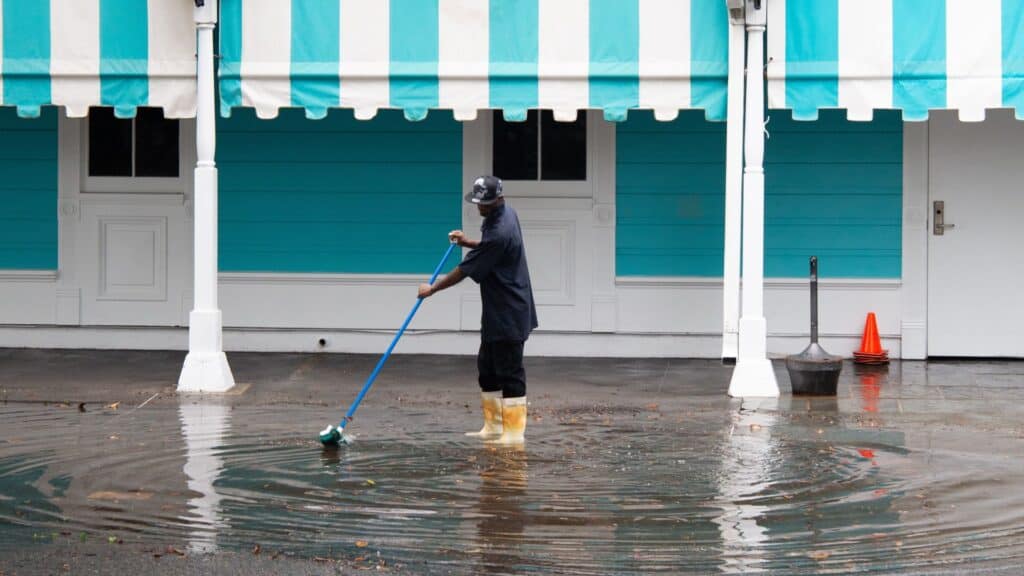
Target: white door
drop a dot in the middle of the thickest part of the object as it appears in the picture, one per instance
(558, 205)
(974, 267)
(132, 246)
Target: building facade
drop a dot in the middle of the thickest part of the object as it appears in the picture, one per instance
(348, 131)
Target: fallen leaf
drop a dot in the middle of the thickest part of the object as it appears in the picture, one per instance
(864, 452)
(362, 543)
(114, 405)
(652, 406)
(173, 550)
(755, 427)
(370, 482)
(113, 495)
(256, 549)
(819, 555)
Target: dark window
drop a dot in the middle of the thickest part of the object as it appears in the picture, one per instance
(515, 147)
(540, 147)
(146, 146)
(563, 148)
(156, 144)
(110, 144)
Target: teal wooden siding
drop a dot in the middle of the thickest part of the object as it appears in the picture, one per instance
(833, 189)
(28, 191)
(337, 195)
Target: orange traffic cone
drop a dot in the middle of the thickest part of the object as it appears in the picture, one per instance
(871, 351)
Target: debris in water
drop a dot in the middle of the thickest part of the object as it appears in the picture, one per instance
(256, 549)
(370, 482)
(819, 555)
(116, 496)
(362, 543)
(81, 406)
(864, 452)
(114, 405)
(175, 551)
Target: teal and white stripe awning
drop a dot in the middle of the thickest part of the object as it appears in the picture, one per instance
(470, 55)
(911, 55)
(82, 53)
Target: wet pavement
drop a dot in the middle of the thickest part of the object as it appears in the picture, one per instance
(630, 467)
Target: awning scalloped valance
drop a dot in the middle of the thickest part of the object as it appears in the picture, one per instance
(909, 55)
(472, 55)
(83, 53)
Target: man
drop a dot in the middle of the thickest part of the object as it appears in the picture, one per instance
(497, 262)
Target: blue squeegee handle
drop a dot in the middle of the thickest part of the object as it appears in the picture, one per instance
(380, 363)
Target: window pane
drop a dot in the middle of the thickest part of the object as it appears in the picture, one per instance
(563, 148)
(156, 144)
(110, 144)
(515, 147)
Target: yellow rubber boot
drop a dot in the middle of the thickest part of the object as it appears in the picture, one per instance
(513, 420)
(491, 403)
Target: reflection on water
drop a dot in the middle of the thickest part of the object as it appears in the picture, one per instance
(203, 427)
(747, 462)
(502, 522)
(713, 486)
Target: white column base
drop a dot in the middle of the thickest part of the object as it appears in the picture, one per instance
(206, 372)
(753, 378)
(206, 367)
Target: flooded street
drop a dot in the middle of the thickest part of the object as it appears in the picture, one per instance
(630, 467)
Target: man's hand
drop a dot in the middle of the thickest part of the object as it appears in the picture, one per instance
(426, 290)
(457, 237)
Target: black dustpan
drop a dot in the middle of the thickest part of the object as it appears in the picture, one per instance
(814, 371)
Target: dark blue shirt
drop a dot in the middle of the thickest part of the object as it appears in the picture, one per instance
(498, 265)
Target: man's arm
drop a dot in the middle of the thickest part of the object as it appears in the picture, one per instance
(447, 281)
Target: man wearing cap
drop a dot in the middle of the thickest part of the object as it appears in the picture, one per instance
(497, 262)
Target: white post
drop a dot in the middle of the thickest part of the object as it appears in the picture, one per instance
(733, 194)
(753, 375)
(206, 367)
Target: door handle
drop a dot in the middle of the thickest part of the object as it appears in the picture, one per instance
(939, 218)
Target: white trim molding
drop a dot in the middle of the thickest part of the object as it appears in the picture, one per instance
(28, 275)
(914, 317)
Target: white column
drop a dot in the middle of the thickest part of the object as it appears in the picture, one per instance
(206, 367)
(733, 195)
(753, 375)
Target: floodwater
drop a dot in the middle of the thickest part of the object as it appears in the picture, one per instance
(866, 482)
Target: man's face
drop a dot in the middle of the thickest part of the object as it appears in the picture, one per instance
(485, 210)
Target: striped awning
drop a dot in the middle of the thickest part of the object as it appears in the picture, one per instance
(471, 55)
(82, 53)
(911, 55)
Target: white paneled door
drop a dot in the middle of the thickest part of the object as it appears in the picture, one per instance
(565, 202)
(134, 260)
(976, 189)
